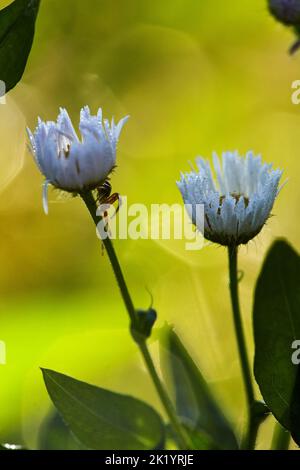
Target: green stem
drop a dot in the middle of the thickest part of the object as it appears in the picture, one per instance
(249, 440)
(281, 438)
(183, 437)
(253, 424)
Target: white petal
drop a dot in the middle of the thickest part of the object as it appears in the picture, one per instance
(119, 127)
(218, 171)
(65, 125)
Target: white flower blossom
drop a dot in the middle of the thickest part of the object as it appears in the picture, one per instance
(237, 200)
(71, 163)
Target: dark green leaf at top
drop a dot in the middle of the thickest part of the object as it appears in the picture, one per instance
(17, 25)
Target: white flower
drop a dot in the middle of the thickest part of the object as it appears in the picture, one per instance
(70, 163)
(237, 200)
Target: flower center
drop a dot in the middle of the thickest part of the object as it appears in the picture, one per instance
(235, 196)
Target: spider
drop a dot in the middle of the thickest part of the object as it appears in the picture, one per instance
(106, 199)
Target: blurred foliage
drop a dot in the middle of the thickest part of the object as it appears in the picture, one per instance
(195, 404)
(55, 435)
(194, 78)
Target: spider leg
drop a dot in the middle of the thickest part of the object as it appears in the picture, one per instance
(112, 199)
(106, 218)
(105, 203)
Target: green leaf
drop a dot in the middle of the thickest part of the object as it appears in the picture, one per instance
(17, 25)
(195, 404)
(276, 325)
(54, 434)
(102, 419)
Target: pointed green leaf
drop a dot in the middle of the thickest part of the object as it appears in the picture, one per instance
(276, 317)
(195, 404)
(102, 419)
(17, 25)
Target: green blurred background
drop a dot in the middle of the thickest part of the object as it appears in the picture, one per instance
(195, 76)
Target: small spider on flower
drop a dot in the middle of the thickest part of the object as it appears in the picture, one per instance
(105, 199)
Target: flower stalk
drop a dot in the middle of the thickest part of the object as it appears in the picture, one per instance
(183, 437)
(253, 420)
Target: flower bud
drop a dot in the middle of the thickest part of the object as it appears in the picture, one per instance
(141, 327)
